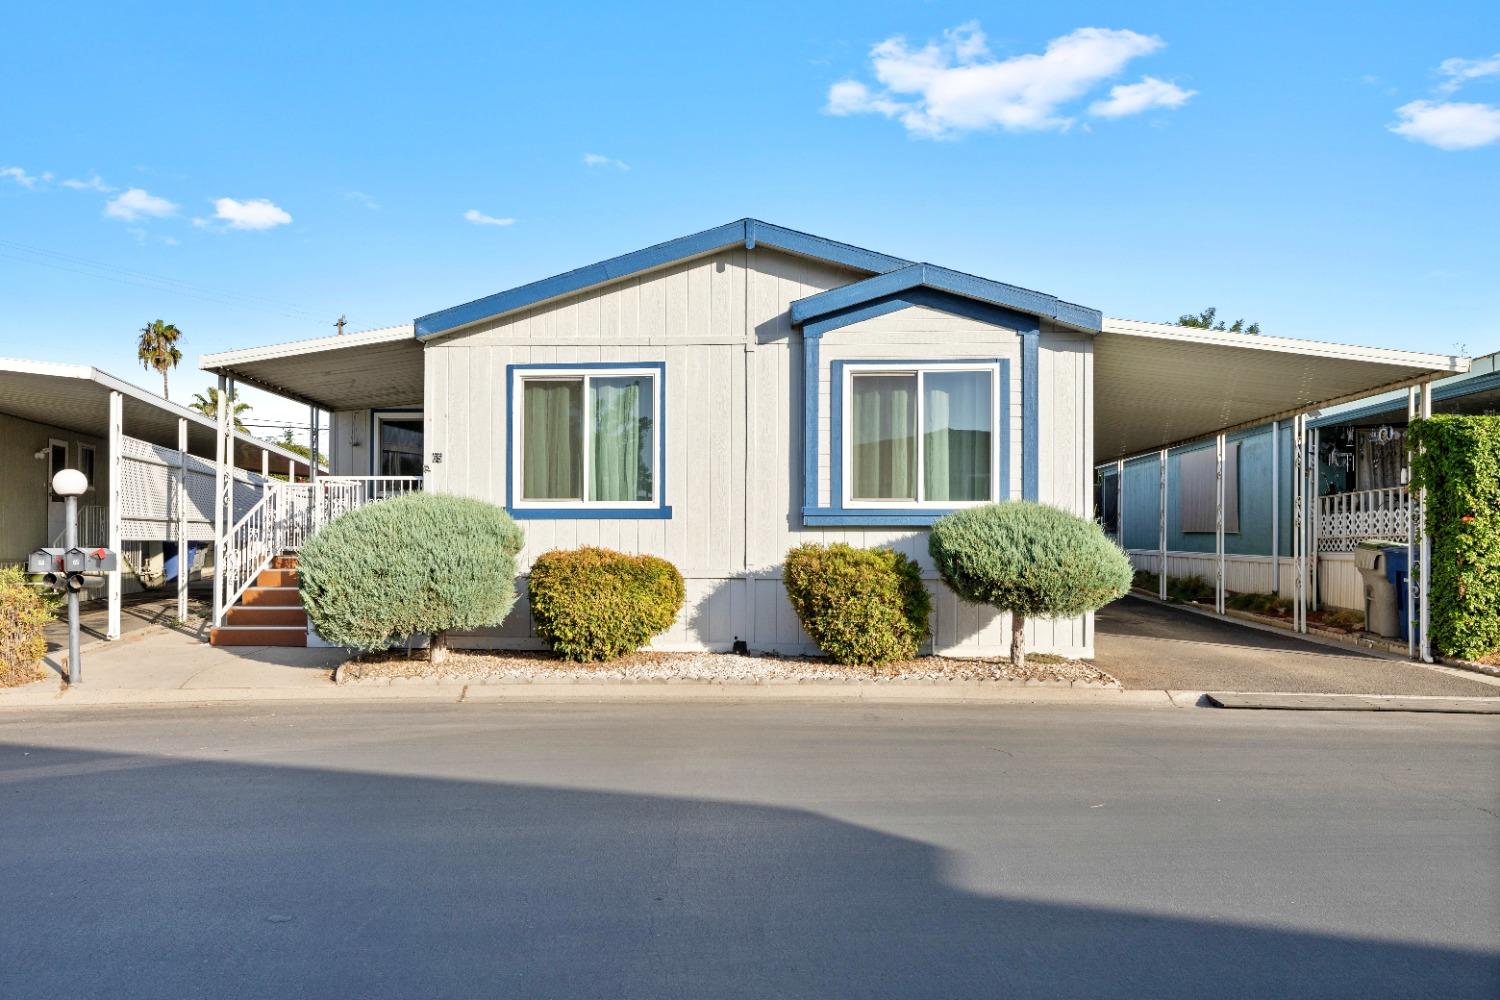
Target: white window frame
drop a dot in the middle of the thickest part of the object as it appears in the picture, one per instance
(998, 426)
(378, 417)
(563, 373)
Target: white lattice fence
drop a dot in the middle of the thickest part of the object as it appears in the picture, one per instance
(1348, 518)
(148, 493)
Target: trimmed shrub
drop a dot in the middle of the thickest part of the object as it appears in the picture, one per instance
(1457, 460)
(24, 612)
(598, 604)
(1029, 559)
(419, 563)
(859, 605)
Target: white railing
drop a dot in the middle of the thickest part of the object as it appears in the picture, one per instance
(1345, 519)
(93, 527)
(286, 516)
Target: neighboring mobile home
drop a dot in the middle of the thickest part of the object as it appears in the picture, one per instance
(722, 397)
(126, 441)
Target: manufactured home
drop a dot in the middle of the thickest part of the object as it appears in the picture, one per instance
(722, 397)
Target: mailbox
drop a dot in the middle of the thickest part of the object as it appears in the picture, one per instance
(99, 560)
(44, 561)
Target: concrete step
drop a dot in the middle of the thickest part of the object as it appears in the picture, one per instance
(256, 635)
(277, 578)
(272, 597)
(291, 617)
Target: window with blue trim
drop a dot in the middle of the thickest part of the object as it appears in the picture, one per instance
(919, 436)
(586, 440)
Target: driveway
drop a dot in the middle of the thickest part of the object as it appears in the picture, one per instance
(754, 850)
(1151, 646)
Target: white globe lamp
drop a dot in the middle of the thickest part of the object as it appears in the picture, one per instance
(70, 483)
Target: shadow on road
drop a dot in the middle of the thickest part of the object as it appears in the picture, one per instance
(167, 877)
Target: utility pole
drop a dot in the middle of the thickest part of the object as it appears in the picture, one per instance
(340, 325)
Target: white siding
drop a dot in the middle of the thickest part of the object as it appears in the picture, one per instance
(733, 419)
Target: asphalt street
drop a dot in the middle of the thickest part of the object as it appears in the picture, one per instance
(766, 850)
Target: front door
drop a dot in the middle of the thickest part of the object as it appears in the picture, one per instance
(398, 444)
(57, 460)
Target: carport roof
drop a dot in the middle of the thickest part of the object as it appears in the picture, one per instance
(76, 398)
(1158, 384)
(349, 372)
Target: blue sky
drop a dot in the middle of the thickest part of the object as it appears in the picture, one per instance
(251, 175)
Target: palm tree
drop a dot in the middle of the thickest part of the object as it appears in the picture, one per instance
(158, 349)
(208, 405)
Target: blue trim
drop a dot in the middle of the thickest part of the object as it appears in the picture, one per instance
(956, 283)
(1030, 430)
(836, 513)
(810, 366)
(983, 312)
(748, 233)
(601, 513)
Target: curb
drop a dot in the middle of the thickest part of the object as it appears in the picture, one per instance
(957, 692)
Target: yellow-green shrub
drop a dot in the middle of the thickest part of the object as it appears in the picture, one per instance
(859, 605)
(598, 604)
(23, 615)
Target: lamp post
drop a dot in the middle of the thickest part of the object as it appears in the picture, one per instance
(70, 484)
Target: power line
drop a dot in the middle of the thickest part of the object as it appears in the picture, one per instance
(144, 279)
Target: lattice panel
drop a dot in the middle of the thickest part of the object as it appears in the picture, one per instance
(149, 475)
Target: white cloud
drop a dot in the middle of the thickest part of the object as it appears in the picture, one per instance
(256, 213)
(137, 203)
(1461, 71)
(363, 199)
(955, 85)
(1449, 125)
(599, 160)
(1133, 98)
(477, 217)
(94, 183)
(18, 175)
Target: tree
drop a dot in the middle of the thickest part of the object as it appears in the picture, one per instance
(208, 405)
(297, 448)
(1029, 559)
(157, 349)
(1205, 321)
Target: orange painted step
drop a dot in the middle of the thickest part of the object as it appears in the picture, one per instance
(277, 578)
(284, 562)
(231, 635)
(289, 617)
(271, 597)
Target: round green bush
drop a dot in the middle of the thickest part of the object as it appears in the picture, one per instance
(598, 604)
(1029, 559)
(426, 562)
(860, 606)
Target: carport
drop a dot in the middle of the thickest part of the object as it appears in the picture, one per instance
(1158, 386)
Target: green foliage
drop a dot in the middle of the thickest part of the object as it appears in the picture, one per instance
(1457, 460)
(859, 605)
(158, 349)
(23, 615)
(208, 405)
(1260, 604)
(598, 604)
(1205, 321)
(1029, 559)
(424, 562)
(1188, 589)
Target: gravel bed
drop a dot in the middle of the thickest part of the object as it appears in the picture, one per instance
(723, 668)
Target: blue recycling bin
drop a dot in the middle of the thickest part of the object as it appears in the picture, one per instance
(170, 560)
(1398, 571)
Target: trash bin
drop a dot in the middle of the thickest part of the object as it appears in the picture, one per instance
(1383, 613)
(1398, 571)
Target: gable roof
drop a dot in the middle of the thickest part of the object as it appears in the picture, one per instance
(749, 233)
(943, 279)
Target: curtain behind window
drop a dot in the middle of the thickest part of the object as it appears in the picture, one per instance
(552, 440)
(956, 436)
(621, 468)
(884, 413)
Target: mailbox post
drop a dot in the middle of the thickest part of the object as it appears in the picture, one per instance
(70, 485)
